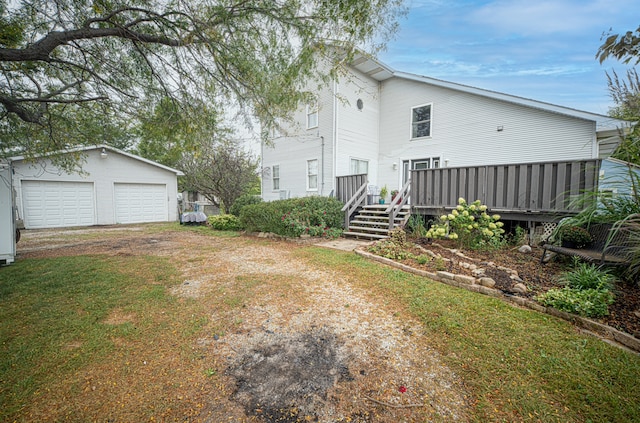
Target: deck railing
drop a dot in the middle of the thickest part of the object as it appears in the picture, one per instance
(401, 198)
(543, 187)
(347, 185)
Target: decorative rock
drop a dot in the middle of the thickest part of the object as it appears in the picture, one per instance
(515, 273)
(520, 288)
(465, 279)
(478, 272)
(488, 282)
(464, 265)
(525, 249)
(516, 278)
(445, 275)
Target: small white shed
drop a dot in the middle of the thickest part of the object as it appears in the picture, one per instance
(7, 218)
(114, 187)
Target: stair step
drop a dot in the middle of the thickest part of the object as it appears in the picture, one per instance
(364, 235)
(353, 228)
(385, 222)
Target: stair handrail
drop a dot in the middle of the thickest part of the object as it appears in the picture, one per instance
(359, 197)
(398, 202)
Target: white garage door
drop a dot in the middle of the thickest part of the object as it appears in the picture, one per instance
(49, 204)
(138, 203)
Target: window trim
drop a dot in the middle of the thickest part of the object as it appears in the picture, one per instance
(275, 177)
(354, 159)
(309, 174)
(312, 109)
(411, 123)
(409, 165)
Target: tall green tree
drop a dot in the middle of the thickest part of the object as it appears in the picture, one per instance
(65, 58)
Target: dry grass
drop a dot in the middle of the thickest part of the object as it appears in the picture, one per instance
(175, 324)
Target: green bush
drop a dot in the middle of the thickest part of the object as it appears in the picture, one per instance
(416, 226)
(584, 302)
(315, 216)
(587, 292)
(470, 225)
(588, 276)
(224, 222)
(243, 200)
(394, 247)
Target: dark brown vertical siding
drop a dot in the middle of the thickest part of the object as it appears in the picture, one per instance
(538, 187)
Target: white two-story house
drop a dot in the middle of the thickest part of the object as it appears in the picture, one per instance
(383, 122)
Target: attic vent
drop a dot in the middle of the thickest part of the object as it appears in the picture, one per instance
(359, 104)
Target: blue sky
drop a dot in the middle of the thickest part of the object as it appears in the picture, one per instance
(543, 50)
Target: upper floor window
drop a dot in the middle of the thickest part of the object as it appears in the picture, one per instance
(358, 166)
(312, 175)
(421, 121)
(275, 177)
(312, 115)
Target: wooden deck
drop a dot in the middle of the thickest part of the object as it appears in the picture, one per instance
(533, 192)
(543, 191)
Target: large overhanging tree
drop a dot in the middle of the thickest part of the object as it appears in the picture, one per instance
(75, 70)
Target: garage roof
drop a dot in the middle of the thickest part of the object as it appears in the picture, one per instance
(108, 148)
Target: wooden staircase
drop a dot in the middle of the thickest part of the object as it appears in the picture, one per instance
(372, 221)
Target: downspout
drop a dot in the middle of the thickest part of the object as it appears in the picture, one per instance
(262, 168)
(322, 166)
(335, 131)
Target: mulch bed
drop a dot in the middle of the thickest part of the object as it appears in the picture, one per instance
(624, 314)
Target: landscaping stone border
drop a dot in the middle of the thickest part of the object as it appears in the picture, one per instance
(470, 283)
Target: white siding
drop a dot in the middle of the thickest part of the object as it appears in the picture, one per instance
(296, 145)
(358, 130)
(102, 174)
(465, 130)
(7, 220)
(343, 132)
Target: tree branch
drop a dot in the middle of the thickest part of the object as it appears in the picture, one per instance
(42, 49)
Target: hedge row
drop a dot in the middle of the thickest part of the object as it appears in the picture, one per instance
(316, 216)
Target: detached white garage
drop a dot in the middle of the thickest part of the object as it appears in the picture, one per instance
(114, 187)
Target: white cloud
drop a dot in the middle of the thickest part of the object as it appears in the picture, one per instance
(545, 17)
